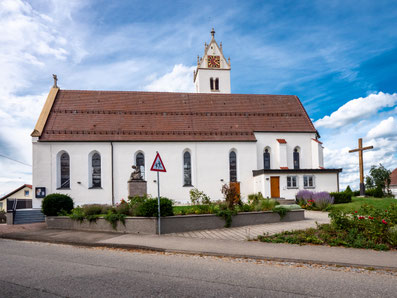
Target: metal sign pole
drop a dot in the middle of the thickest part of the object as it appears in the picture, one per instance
(158, 198)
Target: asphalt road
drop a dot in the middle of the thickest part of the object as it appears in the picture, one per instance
(30, 269)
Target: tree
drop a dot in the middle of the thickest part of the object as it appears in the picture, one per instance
(381, 176)
(348, 190)
(369, 182)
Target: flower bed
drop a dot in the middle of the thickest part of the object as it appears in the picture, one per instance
(367, 227)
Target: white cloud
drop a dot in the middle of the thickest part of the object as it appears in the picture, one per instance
(386, 128)
(338, 140)
(358, 109)
(180, 79)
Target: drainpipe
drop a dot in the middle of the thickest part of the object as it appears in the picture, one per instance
(111, 153)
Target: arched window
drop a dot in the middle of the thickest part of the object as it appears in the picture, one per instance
(187, 169)
(296, 158)
(64, 170)
(266, 159)
(216, 84)
(233, 166)
(211, 83)
(96, 170)
(140, 162)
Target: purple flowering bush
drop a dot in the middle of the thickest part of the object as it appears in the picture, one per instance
(322, 200)
(314, 200)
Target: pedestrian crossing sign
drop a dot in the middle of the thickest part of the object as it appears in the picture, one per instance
(158, 165)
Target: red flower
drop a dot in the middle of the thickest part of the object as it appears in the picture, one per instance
(355, 211)
(384, 221)
(370, 217)
(361, 217)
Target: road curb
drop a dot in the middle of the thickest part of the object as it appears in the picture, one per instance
(200, 253)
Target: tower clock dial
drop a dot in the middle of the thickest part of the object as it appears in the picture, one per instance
(214, 61)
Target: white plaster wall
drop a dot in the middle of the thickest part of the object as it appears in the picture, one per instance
(210, 164)
(203, 80)
(323, 182)
(303, 140)
(45, 171)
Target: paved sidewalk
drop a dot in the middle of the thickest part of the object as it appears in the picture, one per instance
(216, 247)
(252, 232)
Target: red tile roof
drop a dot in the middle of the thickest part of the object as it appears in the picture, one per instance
(317, 141)
(282, 141)
(162, 116)
(15, 190)
(393, 177)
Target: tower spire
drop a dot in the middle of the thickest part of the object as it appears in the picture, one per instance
(212, 32)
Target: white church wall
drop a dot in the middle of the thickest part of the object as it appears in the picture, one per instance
(45, 171)
(210, 165)
(302, 140)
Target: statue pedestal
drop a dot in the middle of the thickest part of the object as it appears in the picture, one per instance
(137, 188)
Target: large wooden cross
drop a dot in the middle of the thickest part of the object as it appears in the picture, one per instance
(360, 150)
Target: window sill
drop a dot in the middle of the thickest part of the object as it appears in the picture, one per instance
(63, 188)
(309, 187)
(188, 185)
(213, 90)
(294, 187)
(95, 187)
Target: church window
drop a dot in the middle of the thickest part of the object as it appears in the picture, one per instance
(140, 162)
(216, 84)
(233, 166)
(211, 83)
(266, 159)
(308, 181)
(296, 158)
(96, 170)
(292, 182)
(65, 170)
(187, 169)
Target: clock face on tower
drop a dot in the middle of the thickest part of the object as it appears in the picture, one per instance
(214, 61)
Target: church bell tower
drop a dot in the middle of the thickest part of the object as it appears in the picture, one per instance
(213, 70)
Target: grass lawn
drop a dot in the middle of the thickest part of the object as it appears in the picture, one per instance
(380, 203)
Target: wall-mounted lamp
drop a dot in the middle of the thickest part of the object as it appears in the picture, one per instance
(78, 182)
(155, 181)
(267, 179)
(221, 180)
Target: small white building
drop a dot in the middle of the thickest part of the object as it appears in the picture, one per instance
(85, 142)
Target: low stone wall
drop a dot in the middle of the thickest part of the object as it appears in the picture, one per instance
(172, 224)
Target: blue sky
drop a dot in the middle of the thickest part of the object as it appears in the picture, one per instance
(339, 57)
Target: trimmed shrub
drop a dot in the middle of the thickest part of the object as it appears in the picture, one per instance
(149, 208)
(356, 193)
(92, 209)
(341, 197)
(378, 193)
(55, 203)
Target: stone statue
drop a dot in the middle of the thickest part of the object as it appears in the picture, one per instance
(136, 174)
(55, 81)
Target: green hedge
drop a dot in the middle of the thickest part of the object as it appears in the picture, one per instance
(149, 208)
(341, 197)
(56, 203)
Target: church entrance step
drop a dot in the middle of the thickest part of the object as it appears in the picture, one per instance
(283, 201)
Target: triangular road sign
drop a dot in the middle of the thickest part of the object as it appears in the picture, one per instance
(158, 165)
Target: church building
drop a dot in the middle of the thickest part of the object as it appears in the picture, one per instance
(85, 142)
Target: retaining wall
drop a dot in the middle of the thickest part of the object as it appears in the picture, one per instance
(172, 224)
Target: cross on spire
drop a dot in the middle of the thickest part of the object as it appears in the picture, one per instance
(212, 32)
(360, 150)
